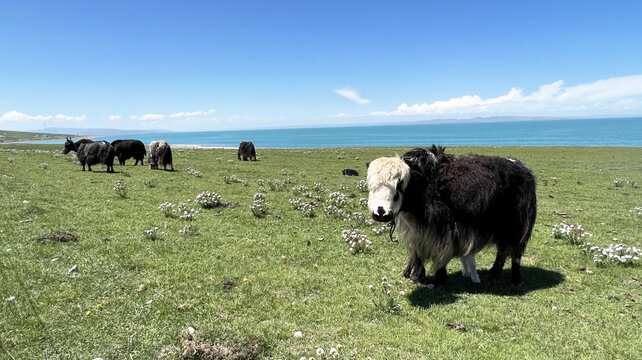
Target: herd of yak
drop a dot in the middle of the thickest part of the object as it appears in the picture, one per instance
(443, 206)
(92, 152)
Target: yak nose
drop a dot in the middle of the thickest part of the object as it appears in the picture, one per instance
(381, 215)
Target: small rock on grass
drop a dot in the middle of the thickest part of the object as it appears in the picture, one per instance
(73, 269)
(456, 325)
(228, 284)
(142, 288)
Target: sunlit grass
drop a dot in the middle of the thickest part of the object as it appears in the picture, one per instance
(252, 282)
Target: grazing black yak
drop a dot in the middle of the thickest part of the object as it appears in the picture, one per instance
(160, 154)
(96, 152)
(445, 207)
(246, 151)
(126, 149)
(350, 172)
(70, 145)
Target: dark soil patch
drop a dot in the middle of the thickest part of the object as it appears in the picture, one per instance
(58, 236)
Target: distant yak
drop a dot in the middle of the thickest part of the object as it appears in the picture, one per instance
(160, 154)
(445, 207)
(350, 172)
(246, 151)
(96, 152)
(126, 149)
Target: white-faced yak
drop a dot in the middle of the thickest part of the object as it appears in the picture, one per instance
(160, 154)
(445, 207)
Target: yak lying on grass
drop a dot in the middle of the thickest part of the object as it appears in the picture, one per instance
(160, 154)
(70, 145)
(246, 151)
(445, 207)
(96, 152)
(127, 149)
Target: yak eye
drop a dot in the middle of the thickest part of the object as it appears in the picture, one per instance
(396, 197)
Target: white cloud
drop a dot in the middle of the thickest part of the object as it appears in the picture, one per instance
(114, 117)
(351, 95)
(192, 114)
(16, 116)
(147, 117)
(554, 97)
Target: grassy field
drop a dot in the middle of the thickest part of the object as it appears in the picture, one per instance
(282, 286)
(18, 136)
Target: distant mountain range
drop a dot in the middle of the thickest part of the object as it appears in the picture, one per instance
(97, 131)
(490, 119)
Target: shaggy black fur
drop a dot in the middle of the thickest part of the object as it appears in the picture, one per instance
(246, 151)
(489, 199)
(126, 149)
(350, 172)
(96, 152)
(70, 145)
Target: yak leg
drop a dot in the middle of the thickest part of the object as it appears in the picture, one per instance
(469, 267)
(441, 278)
(500, 259)
(419, 272)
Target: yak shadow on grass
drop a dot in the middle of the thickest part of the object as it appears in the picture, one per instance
(533, 278)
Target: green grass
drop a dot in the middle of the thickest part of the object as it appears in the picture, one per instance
(285, 278)
(19, 136)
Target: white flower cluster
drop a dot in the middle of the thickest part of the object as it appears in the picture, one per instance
(11, 159)
(208, 199)
(621, 182)
(333, 352)
(614, 254)
(318, 187)
(185, 213)
(277, 185)
(300, 189)
(358, 241)
(573, 233)
(379, 230)
(337, 199)
(228, 179)
(154, 233)
(637, 210)
(308, 209)
(120, 189)
(363, 202)
(44, 166)
(385, 297)
(167, 208)
(260, 207)
(189, 230)
(362, 186)
(193, 172)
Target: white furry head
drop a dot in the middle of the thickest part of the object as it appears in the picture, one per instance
(388, 177)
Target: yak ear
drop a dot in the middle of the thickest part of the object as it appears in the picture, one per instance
(423, 161)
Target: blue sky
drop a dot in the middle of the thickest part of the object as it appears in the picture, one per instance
(214, 65)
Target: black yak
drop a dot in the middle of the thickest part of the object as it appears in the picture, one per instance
(445, 207)
(160, 154)
(246, 151)
(70, 145)
(96, 152)
(126, 149)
